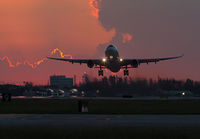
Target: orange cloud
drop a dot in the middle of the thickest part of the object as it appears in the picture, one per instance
(61, 53)
(94, 4)
(8, 60)
(37, 63)
(126, 37)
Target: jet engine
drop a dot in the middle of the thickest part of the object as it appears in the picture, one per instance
(90, 64)
(135, 64)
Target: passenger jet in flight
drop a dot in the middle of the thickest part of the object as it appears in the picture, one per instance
(113, 62)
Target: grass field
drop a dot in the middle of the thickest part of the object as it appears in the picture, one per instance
(56, 106)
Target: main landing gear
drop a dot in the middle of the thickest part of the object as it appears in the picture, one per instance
(126, 72)
(100, 72)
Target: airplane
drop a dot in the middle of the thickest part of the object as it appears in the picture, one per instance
(113, 62)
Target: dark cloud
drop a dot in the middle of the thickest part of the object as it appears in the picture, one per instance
(158, 28)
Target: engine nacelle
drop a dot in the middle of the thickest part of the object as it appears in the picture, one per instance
(90, 64)
(135, 64)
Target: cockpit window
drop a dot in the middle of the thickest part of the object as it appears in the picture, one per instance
(110, 46)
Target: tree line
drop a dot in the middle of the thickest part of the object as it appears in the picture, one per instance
(113, 85)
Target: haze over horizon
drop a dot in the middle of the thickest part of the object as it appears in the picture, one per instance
(31, 30)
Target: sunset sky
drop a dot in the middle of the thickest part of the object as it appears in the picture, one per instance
(31, 30)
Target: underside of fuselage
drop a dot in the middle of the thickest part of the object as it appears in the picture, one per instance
(114, 66)
(112, 56)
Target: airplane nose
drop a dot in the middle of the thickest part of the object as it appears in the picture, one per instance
(110, 46)
(111, 51)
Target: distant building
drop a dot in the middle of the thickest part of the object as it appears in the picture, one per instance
(61, 81)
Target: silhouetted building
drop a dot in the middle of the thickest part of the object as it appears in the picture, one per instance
(61, 81)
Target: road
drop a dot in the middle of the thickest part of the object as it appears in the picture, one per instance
(99, 121)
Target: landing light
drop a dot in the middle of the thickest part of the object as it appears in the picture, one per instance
(120, 59)
(82, 93)
(97, 91)
(104, 60)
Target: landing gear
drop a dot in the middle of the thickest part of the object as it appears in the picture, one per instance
(100, 72)
(126, 72)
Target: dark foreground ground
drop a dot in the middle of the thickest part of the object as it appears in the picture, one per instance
(63, 106)
(118, 119)
(99, 126)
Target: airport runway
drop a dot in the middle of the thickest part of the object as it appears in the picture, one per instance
(99, 121)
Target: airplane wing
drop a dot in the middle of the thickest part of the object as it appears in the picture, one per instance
(94, 61)
(133, 62)
(136, 62)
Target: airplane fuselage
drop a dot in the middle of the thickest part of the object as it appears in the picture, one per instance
(112, 59)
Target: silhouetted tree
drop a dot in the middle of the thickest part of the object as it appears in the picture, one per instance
(113, 85)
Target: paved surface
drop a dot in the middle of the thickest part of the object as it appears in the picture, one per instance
(96, 121)
(107, 98)
(103, 98)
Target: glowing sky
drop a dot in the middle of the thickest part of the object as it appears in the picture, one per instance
(30, 30)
